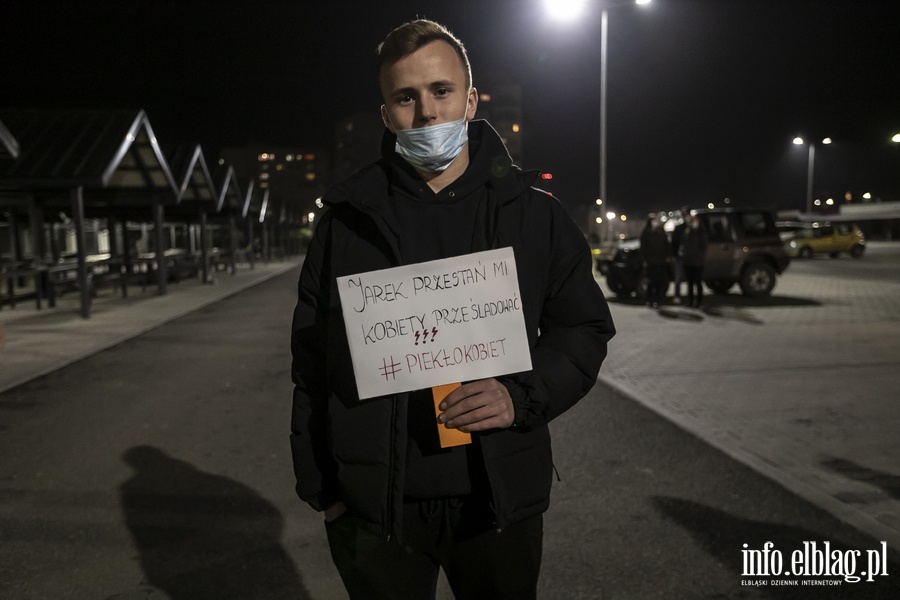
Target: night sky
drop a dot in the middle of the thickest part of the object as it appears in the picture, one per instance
(704, 95)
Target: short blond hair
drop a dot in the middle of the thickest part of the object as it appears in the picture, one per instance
(409, 37)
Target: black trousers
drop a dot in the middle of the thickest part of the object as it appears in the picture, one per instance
(657, 283)
(454, 534)
(695, 283)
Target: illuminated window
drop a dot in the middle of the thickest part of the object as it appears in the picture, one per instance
(484, 97)
(289, 157)
(310, 176)
(264, 185)
(515, 128)
(279, 167)
(263, 176)
(309, 157)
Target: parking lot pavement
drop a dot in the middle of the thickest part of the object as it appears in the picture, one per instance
(802, 387)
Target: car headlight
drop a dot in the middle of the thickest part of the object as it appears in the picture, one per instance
(793, 244)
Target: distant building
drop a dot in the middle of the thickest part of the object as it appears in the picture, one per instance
(501, 105)
(294, 177)
(357, 142)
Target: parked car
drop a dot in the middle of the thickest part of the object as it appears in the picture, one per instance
(786, 229)
(826, 238)
(744, 248)
(603, 254)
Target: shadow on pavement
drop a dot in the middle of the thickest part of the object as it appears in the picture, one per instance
(204, 536)
(722, 306)
(719, 300)
(723, 536)
(887, 482)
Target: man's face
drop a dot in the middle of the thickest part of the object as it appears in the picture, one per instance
(428, 87)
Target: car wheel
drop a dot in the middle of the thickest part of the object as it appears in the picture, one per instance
(857, 250)
(806, 252)
(617, 285)
(719, 286)
(757, 280)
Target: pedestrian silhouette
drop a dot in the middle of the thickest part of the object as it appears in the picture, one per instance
(204, 536)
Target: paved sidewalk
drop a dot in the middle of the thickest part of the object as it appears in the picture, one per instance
(36, 342)
(801, 387)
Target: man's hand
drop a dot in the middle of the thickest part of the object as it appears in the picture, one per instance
(476, 406)
(334, 511)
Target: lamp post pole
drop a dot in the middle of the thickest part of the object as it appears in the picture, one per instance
(810, 168)
(569, 10)
(604, 26)
(810, 165)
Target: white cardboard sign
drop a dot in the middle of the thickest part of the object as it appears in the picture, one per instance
(432, 323)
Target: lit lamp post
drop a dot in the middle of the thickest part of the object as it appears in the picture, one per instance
(810, 165)
(569, 10)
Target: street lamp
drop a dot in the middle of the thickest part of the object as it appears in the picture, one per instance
(610, 217)
(810, 166)
(568, 10)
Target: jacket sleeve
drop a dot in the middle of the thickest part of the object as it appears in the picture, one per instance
(314, 466)
(575, 326)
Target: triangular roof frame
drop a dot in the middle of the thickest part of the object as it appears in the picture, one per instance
(249, 198)
(230, 190)
(93, 149)
(9, 147)
(141, 125)
(196, 185)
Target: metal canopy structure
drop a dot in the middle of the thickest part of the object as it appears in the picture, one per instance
(98, 149)
(197, 196)
(230, 198)
(112, 154)
(9, 146)
(229, 206)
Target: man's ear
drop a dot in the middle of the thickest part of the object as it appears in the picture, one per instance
(386, 119)
(471, 104)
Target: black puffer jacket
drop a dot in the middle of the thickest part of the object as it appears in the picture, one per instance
(354, 451)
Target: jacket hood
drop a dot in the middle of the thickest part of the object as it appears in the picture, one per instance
(490, 164)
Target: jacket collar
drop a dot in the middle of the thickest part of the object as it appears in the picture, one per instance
(489, 164)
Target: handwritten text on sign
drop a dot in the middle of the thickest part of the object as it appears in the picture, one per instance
(433, 323)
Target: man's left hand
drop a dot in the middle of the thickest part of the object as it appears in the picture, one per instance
(477, 406)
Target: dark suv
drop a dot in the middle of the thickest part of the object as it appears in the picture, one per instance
(744, 248)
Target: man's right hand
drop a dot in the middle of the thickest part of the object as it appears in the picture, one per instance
(334, 511)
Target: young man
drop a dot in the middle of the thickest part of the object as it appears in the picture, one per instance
(397, 506)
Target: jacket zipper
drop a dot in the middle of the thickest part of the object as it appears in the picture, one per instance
(391, 475)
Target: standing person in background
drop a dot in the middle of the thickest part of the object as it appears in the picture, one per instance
(656, 254)
(676, 244)
(397, 506)
(692, 251)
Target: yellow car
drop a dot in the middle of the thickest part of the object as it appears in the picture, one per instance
(826, 238)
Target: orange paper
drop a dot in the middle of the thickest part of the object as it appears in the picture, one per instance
(449, 437)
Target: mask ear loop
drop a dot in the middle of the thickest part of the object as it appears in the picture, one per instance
(386, 119)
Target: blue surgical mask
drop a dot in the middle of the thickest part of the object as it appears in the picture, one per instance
(431, 149)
